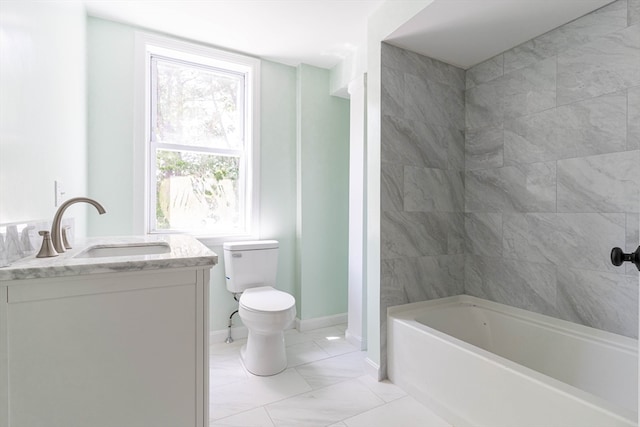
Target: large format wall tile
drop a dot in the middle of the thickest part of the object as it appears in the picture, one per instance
(632, 241)
(593, 126)
(575, 240)
(485, 71)
(606, 20)
(483, 234)
(569, 98)
(422, 66)
(522, 188)
(601, 300)
(433, 190)
(633, 118)
(433, 103)
(530, 89)
(426, 278)
(392, 92)
(604, 183)
(633, 14)
(391, 187)
(605, 65)
(484, 105)
(414, 234)
(484, 148)
(412, 142)
(520, 284)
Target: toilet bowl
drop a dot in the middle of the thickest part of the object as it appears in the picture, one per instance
(250, 270)
(266, 312)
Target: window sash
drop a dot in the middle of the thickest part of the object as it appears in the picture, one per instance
(243, 96)
(154, 146)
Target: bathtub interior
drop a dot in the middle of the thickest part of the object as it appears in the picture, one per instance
(598, 362)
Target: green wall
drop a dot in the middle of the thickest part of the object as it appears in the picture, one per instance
(323, 195)
(323, 121)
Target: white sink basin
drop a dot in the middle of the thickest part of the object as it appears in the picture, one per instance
(125, 249)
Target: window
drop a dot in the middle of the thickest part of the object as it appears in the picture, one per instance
(201, 144)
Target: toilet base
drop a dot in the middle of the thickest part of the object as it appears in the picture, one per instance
(264, 355)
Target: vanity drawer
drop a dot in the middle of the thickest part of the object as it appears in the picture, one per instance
(65, 287)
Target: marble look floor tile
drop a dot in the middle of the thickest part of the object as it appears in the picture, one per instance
(405, 412)
(305, 352)
(253, 392)
(293, 336)
(333, 370)
(226, 368)
(340, 424)
(254, 418)
(385, 389)
(336, 345)
(324, 406)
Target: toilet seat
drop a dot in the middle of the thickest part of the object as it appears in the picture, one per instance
(266, 299)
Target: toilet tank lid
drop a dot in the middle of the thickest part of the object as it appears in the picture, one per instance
(250, 245)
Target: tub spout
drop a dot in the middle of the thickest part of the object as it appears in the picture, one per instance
(56, 232)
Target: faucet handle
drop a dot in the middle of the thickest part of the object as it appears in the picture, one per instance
(46, 250)
(65, 240)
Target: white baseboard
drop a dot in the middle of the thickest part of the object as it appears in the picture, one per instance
(355, 340)
(320, 322)
(372, 369)
(241, 332)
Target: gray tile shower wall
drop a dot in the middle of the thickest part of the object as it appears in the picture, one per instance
(513, 180)
(552, 171)
(422, 180)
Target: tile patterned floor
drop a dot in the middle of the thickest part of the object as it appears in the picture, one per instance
(324, 385)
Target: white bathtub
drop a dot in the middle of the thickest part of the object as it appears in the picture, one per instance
(479, 363)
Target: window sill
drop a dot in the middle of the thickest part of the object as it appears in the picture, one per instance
(216, 241)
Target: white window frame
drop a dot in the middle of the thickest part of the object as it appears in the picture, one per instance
(144, 153)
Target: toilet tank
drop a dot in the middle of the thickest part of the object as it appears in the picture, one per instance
(250, 264)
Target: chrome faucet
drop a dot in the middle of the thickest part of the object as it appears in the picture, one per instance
(56, 232)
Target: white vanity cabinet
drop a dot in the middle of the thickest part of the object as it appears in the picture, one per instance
(115, 349)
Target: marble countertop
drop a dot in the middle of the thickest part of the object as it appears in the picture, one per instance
(186, 251)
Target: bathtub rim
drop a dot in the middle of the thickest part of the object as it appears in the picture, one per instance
(406, 314)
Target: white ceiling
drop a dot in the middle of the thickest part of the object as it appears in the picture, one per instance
(467, 32)
(314, 32)
(323, 32)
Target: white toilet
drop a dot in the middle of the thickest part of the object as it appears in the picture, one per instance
(250, 269)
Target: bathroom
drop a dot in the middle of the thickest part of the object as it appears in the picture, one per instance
(95, 157)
